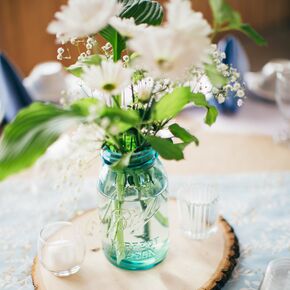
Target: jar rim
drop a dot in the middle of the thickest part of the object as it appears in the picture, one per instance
(137, 158)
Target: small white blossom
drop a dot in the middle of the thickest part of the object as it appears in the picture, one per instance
(82, 56)
(60, 50)
(222, 67)
(240, 102)
(236, 86)
(80, 18)
(221, 98)
(89, 46)
(240, 93)
(110, 78)
(126, 58)
(215, 90)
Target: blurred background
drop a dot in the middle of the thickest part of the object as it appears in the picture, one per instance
(24, 39)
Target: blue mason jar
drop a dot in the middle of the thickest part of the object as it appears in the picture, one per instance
(132, 204)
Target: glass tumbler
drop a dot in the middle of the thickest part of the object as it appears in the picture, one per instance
(61, 248)
(283, 101)
(277, 276)
(198, 210)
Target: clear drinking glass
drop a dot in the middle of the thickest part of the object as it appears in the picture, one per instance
(283, 101)
(198, 210)
(277, 275)
(61, 248)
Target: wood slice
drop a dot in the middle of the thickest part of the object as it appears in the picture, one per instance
(190, 265)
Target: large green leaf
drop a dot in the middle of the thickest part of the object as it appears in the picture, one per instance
(165, 148)
(171, 104)
(143, 11)
(226, 18)
(119, 115)
(30, 134)
(182, 134)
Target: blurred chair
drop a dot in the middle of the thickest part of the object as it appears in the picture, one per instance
(13, 95)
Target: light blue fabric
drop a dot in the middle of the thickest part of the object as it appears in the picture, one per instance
(257, 205)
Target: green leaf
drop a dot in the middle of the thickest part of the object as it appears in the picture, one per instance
(30, 134)
(252, 33)
(93, 59)
(118, 115)
(117, 41)
(171, 104)
(143, 11)
(199, 100)
(211, 115)
(224, 13)
(165, 148)
(215, 77)
(77, 69)
(226, 18)
(84, 106)
(182, 134)
(123, 162)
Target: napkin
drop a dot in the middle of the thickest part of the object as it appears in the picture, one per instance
(13, 95)
(237, 58)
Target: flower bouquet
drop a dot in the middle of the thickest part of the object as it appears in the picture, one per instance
(132, 87)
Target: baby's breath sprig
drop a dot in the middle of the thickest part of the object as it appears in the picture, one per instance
(61, 53)
(107, 49)
(231, 74)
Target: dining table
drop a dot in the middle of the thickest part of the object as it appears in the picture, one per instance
(238, 153)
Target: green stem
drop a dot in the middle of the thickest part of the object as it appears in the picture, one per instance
(119, 234)
(161, 219)
(146, 231)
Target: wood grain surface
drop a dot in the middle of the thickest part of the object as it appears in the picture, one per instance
(190, 265)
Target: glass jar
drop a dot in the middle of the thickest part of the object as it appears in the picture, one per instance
(132, 204)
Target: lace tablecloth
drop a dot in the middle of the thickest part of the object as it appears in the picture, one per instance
(257, 205)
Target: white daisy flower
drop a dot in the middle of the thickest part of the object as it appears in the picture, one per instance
(82, 18)
(127, 26)
(181, 17)
(109, 77)
(143, 89)
(166, 53)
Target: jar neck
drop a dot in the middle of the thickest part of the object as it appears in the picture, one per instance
(142, 159)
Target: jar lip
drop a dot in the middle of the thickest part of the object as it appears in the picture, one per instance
(143, 156)
(135, 154)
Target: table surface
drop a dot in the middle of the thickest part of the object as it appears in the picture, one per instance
(252, 172)
(189, 264)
